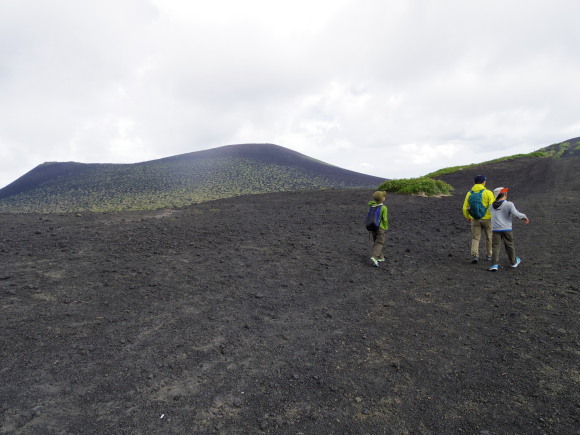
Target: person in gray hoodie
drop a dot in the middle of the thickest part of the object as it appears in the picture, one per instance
(502, 213)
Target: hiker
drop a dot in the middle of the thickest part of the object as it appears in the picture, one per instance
(502, 213)
(377, 225)
(476, 209)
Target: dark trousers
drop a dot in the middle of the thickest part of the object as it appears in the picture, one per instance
(378, 243)
(507, 237)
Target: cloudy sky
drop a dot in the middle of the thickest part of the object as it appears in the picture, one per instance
(393, 88)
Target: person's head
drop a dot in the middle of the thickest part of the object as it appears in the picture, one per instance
(479, 179)
(500, 193)
(379, 196)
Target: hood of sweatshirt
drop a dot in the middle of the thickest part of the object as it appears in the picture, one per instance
(374, 203)
(477, 187)
(497, 204)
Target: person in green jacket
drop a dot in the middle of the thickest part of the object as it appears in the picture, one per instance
(481, 225)
(377, 255)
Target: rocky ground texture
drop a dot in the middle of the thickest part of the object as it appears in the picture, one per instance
(263, 314)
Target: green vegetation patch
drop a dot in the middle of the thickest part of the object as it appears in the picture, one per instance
(568, 148)
(559, 150)
(417, 186)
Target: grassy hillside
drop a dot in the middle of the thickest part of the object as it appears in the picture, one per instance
(429, 186)
(568, 148)
(174, 181)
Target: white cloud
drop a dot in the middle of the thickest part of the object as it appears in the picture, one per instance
(393, 89)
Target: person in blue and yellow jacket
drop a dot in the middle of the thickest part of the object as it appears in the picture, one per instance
(377, 255)
(483, 224)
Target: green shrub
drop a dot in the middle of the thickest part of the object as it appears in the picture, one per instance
(417, 186)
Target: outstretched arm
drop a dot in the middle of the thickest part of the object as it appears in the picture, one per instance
(514, 212)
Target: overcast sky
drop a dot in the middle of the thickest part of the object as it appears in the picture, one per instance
(393, 88)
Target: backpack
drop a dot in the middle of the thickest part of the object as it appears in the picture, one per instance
(373, 220)
(476, 208)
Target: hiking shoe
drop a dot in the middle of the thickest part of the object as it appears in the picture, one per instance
(517, 263)
(380, 260)
(375, 261)
(474, 259)
(494, 268)
(488, 258)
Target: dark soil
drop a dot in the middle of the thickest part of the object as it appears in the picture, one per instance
(263, 314)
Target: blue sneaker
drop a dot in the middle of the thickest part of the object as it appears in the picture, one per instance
(375, 261)
(517, 263)
(494, 268)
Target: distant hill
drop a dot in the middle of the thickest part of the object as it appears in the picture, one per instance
(175, 181)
